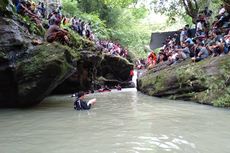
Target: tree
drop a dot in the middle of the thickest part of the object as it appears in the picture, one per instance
(227, 4)
(191, 8)
(180, 7)
(70, 7)
(113, 3)
(108, 10)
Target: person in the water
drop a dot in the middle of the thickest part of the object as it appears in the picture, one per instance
(80, 104)
(104, 89)
(118, 87)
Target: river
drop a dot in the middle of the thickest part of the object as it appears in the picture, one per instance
(120, 122)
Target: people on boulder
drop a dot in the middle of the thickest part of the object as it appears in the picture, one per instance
(209, 40)
(24, 8)
(37, 13)
(152, 60)
(41, 9)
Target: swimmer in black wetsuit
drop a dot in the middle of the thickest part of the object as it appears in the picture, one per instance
(80, 104)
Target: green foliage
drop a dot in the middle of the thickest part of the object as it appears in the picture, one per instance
(112, 20)
(90, 6)
(79, 43)
(98, 26)
(45, 53)
(107, 10)
(70, 8)
(179, 8)
(131, 33)
(224, 100)
(139, 13)
(32, 26)
(6, 7)
(120, 3)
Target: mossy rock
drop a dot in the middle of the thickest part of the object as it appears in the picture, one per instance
(80, 43)
(118, 66)
(205, 82)
(92, 66)
(6, 8)
(40, 73)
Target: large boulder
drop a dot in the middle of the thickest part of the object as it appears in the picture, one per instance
(204, 82)
(82, 79)
(13, 37)
(32, 79)
(94, 70)
(40, 74)
(29, 73)
(115, 67)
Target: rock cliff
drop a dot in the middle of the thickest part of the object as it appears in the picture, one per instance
(206, 82)
(29, 72)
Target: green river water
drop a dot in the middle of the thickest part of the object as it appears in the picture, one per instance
(120, 122)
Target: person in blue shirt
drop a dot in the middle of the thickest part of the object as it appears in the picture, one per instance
(80, 104)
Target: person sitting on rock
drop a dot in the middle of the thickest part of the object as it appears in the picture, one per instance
(55, 33)
(184, 53)
(203, 53)
(23, 8)
(80, 104)
(152, 60)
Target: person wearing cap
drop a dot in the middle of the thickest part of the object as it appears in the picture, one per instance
(81, 104)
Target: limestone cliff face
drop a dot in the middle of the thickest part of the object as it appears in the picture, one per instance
(206, 82)
(29, 73)
(95, 69)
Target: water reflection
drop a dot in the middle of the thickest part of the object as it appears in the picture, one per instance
(168, 144)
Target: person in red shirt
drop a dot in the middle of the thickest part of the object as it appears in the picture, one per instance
(152, 60)
(131, 74)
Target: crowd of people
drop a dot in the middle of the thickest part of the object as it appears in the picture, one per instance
(58, 25)
(208, 40)
(114, 48)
